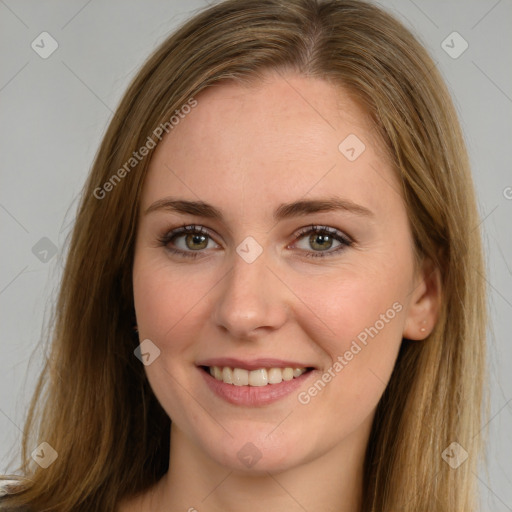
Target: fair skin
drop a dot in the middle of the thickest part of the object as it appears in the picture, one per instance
(246, 151)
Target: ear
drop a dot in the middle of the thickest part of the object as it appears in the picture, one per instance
(425, 302)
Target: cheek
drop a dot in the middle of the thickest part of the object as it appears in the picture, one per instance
(338, 309)
(166, 301)
(357, 320)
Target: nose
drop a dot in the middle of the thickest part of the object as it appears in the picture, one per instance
(252, 300)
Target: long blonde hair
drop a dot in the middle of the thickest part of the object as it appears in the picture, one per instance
(93, 403)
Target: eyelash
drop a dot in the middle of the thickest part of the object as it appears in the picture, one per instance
(194, 229)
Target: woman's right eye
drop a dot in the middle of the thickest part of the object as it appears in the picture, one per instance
(187, 241)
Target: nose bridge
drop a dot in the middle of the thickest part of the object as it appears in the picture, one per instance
(250, 297)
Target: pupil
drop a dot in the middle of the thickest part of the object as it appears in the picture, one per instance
(197, 240)
(316, 240)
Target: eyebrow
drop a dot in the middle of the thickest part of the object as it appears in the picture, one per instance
(284, 211)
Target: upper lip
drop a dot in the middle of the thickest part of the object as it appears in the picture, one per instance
(252, 364)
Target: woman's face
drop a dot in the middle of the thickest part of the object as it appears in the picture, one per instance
(257, 289)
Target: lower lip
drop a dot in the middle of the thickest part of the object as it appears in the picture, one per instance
(253, 395)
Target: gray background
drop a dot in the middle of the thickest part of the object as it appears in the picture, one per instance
(55, 111)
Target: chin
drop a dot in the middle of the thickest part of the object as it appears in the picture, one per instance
(252, 450)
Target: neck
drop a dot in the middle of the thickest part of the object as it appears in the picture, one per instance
(195, 482)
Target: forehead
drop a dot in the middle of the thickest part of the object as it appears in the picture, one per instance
(278, 139)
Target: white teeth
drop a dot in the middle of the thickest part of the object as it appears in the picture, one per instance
(297, 372)
(226, 375)
(258, 378)
(275, 375)
(240, 377)
(288, 374)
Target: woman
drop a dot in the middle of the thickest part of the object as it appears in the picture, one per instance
(272, 293)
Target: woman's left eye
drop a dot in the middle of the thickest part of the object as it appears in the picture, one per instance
(321, 239)
(196, 238)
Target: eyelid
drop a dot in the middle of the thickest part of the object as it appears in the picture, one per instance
(186, 229)
(312, 228)
(338, 235)
(345, 240)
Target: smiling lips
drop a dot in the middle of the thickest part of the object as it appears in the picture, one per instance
(259, 377)
(253, 383)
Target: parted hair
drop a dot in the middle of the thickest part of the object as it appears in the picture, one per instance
(93, 403)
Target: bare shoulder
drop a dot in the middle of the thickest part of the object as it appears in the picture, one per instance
(8, 487)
